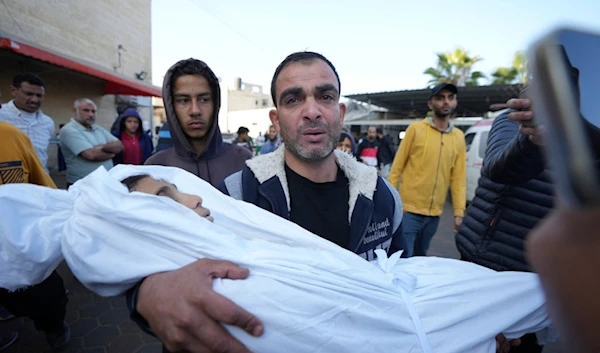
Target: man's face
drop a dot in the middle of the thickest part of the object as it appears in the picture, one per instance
(28, 97)
(193, 103)
(162, 188)
(86, 114)
(443, 104)
(371, 134)
(132, 124)
(309, 115)
(272, 134)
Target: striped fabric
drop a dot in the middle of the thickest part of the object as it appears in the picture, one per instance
(11, 172)
(39, 130)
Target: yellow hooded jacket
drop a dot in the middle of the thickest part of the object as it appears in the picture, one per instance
(426, 164)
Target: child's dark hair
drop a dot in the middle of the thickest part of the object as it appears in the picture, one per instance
(133, 180)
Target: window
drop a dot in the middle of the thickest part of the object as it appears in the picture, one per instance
(483, 143)
(469, 140)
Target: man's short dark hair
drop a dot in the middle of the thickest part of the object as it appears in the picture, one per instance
(243, 130)
(194, 67)
(132, 181)
(305, 57)
(28, 77)
(380, 130)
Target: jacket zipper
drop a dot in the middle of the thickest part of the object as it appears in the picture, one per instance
(437, 171)
(364, 232)
(487, 236)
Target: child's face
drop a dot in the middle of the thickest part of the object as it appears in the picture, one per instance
(162, 188)
(345, 146)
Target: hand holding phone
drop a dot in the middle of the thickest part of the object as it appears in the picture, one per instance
(565, 88)
(523, 114)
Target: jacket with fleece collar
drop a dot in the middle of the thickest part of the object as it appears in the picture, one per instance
(375, 208)
(219, 159)
(427, 163)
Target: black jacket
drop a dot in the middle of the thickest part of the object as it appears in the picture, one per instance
(386, 151)
(514, 193)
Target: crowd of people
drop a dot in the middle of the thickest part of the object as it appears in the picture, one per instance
(299, 178)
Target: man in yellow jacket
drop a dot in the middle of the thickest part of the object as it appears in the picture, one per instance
(431, 158)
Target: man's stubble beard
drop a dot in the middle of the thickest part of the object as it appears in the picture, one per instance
(293, 145)
(438, 113)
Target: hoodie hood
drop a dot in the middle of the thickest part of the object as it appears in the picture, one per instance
(119, 125)
(182, 146)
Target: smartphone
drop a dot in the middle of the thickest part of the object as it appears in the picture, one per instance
(566, 88)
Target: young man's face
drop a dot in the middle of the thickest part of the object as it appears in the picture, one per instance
(28, 97)
(162, 188)
(309, 115)
(193, 103)
(132, 124)
(443, 104)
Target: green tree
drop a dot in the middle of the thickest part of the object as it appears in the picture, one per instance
(516, 73)
(455, 67)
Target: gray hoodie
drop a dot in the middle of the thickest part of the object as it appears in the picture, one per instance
(219, 159)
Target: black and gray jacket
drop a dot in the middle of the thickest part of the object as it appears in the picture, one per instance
(514, 193)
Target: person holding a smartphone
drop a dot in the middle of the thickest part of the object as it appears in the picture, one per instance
(564, 249)
(514, 193)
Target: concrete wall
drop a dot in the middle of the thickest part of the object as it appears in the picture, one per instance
(244, 100)
(256, 120)
(84, 30)
(89, 30)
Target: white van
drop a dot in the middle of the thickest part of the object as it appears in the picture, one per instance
(476, 140)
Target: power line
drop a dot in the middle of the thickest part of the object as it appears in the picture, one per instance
(215, 14)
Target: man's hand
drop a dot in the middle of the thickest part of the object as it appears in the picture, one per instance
(457, 223)
(564, 250)
(96, 154)
(503, 345)
(184, 312)
(524, 116)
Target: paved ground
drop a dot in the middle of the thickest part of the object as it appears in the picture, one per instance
(102, 325)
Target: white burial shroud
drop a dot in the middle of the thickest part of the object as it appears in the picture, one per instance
(312, 295)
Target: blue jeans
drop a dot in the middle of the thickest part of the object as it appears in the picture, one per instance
(418, 230)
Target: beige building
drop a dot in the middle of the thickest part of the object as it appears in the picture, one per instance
(244, 104)
(95, 49)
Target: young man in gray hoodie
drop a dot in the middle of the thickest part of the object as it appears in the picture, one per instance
(192, 98)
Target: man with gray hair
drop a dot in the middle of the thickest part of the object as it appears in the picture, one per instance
(85, 145)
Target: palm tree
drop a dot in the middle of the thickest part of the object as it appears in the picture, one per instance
(455, 67)
(517, 73)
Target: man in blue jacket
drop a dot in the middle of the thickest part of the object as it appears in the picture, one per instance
(309, 182)
(329, 193)
(514, 193)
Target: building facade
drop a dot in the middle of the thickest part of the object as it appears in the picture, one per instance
(95, 49)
